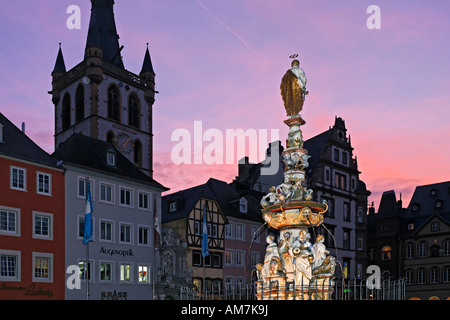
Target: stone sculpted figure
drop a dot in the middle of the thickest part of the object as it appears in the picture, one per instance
(270, 198)
(319, 251)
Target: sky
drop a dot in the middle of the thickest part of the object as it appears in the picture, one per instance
(221, 62)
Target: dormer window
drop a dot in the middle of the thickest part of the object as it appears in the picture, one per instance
(415, 207)
(438, 204)
(243, 205)
(110, 159)
(173, 206)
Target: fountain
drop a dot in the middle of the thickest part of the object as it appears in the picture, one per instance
(294, 268)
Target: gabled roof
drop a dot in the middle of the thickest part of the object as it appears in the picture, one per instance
(89, 153)
(16, 144)
(103, 33)
(220, 191)
(426, 200)
(445, 218)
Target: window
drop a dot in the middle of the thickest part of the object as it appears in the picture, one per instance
(42, 225)
(144, 233)
(410, 249)
(360, 243)
(106, 273)
(133, 111)
(196, 258)
(42, 266)
(346, 211)
(344, 157)
(126, 198)
(79, 103)
(65, 116)
(254, 258)
(144, 200)
(228, 257)
(9, 265)
(110, 137)
(106, 230)
(240, 235)
(18, 179)
(410, 226)
(113, 103)
(44, 183)
(386, 253)
(340, 180)
(446, 274)
(137, 152)
(255, 234)
(422, 250)
(243, 205)
(144, 274)
(173, 206)
(330, 203)
(435, 226)
(240, 258)
(85, 270)
(82, 187)
(110, 159)
(409, 274)
(126, 272)
(434, 275)
(360, 214)
(229, 230)
(421, 276)
(125, 233)
(335, 154)
(438, 204)
(446, 247)
(106, 193)
(216, 260)
(9, 221)
(346, 242)
(327, 175)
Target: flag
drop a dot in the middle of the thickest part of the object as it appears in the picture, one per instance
(87, 236)
(205, 250)
(156, 223)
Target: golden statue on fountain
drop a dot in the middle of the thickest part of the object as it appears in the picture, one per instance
(293, 266)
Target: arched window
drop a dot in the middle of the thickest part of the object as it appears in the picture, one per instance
(386, 252)
(110, 137)
(79, 104)
(138, 152)
(133, 111)
(113, 103)
(66, 112)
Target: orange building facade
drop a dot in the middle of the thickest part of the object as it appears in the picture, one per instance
(31, 220)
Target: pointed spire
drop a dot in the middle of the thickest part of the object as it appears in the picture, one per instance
(60, 66)
(103, 33)
(147, 65)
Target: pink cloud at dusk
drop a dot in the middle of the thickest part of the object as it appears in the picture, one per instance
(221, 62)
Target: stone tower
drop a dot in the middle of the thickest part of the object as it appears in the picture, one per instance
(100, 98)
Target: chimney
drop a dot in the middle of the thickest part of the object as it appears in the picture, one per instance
(23, 127)
(1, 133)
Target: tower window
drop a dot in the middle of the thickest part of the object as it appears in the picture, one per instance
(66, 112)
(138, 152)
(113, 103)
(110, 137)
(79, 104)
(133, 111)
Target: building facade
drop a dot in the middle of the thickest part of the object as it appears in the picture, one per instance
(414, 242)
(100, 98)
(236, 236)
(32, 218)
(121, 261)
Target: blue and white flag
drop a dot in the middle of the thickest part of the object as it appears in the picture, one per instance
(205, 250)
(87, 237)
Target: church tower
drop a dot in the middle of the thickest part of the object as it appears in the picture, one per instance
(100, 98)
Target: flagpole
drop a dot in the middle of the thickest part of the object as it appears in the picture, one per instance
(88, 271)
